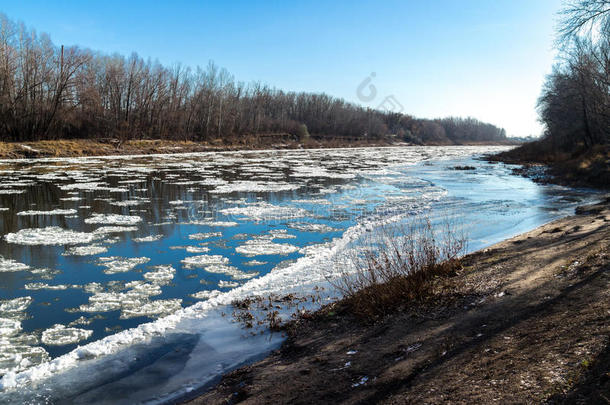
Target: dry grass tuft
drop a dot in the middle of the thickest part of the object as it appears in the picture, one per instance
(401, 265)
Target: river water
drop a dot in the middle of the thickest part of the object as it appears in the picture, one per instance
(117, 274)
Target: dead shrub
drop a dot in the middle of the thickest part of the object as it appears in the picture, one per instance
(400, 265)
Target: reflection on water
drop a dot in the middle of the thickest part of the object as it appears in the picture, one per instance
(95, 246)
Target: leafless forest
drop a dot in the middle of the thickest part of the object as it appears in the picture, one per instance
(49, 91)
(575, 101)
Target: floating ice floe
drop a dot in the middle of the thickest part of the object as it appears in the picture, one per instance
(265, 246)
(202, 261)
(281, 234)
(311, 227)
(102, 230)
(263, 211)
(87, 250)
(45, 273)
(12, 308)
(130, 203)
(51, 235)
(10, 191)
(232, 271)
(60, 335)
(151, 238)
(197, 249)
(121, 264)
(45, 286)
(227, 284)
(18, 354)
(316, 201)
(10, 265)
(9, 327)
(113, 219)
(133, 303)
(86, 186)
(254, 263)
(156, 308)
(205, 235)
(206, 294)
(52, 212)
(248, 186)
(220, 224)
(162, 274)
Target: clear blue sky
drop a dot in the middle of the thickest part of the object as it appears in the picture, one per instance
(480, 58)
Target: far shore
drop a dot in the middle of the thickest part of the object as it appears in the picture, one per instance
(523, 321)
(115, 147)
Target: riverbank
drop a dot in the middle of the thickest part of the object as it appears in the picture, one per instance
(581, 168)
(114, 147)
(524, 321)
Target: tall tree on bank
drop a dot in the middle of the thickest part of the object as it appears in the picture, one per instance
(574, 104)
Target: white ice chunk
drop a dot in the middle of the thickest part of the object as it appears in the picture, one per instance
(206, 294)
(52, 212)
(204, 235)
(51, 235)
(202, 261)
(161, 274)
(59, 335)
(151, 238)
(121, 264)
(113, 219)
(265, 246)
(87, 250)
(10, 265)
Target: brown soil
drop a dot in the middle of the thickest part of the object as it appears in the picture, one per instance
(524, 321)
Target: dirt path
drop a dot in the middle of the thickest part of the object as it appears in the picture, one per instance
(525, 321)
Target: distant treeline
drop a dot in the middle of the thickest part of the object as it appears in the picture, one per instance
(575, 101)
(51, 92)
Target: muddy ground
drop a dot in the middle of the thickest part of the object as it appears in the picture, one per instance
(524, 321)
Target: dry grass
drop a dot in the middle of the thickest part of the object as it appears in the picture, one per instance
(401, 265)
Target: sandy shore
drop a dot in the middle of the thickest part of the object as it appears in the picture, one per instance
(525, 321)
